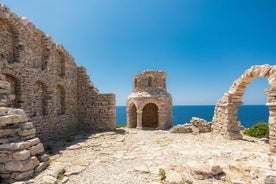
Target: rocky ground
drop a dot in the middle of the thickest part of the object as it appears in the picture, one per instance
(136, 156)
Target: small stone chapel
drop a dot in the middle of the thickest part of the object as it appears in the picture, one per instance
(150, 105)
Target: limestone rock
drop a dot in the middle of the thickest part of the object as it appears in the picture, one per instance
(37, 149)
(270, 180)
(174, 177)
(22, 155)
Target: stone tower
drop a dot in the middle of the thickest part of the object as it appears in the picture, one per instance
(150, 105)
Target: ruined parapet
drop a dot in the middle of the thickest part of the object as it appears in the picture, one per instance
(150, 105)
(97, 111)
(225, 120)
(21, 152)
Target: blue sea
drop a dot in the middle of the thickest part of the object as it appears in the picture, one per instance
(248, 114)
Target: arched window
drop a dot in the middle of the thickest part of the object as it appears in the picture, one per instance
(60, 100)
(149, 81)
(39, 103)
(61, 64)
(15, 90)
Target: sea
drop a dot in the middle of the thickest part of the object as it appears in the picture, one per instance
(248, 114)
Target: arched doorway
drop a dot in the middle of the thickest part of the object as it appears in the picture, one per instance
(150, 116)
(225, 120)
(132, 115)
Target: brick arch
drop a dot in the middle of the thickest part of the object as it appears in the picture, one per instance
(225, 120)
(132, 115)
(150, 115)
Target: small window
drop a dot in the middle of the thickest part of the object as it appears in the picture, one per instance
(149, 81)
(135, 83)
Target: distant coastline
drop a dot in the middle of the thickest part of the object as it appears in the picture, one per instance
(248, 114)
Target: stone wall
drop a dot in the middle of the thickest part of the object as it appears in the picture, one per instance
(225, 120)
(46, 83)
(21, 153)
(150, 105)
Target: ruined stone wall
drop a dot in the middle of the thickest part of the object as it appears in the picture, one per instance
(96, 111)
(54, 92)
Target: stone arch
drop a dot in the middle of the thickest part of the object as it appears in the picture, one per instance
(132, 115)
(15, 91)
(60, 100)
(150, 115)
(39, 103)
(8, 41)
(225, 120)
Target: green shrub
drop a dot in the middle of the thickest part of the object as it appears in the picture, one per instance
(60, 176)
(69, 138)
(162, 174)
(49, 149)
(260, 130)
(120, 126)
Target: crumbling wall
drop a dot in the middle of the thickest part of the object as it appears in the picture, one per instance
(46, 83)
(96, 111)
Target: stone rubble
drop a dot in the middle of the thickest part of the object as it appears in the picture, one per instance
(21, 153)
(196, 126)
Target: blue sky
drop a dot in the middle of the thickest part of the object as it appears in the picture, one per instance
(203, 45)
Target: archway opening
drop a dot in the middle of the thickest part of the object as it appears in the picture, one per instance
(150, 115)
(39, 99)
(132, 115)
(15, 90)
(254, 109)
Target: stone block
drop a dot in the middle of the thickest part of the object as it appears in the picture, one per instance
(19, 166)
(27, 132)
(42, 166)
(26, 125)
(23, 175)
(34, 141)
(22, 155)
(37, 149)
(43, 158)
(5, 157)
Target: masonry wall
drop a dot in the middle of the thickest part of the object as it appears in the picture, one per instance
(55, 93)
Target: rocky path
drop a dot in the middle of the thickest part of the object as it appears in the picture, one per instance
(136, 156)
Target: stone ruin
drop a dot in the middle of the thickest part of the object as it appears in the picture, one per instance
(21, 152)
(150, 105)
(56, 94)
(43, 95)
(196, 126)
(225, 120)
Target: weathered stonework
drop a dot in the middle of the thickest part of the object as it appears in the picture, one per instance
(225, 120)
(46, 83)
(150, 105)
(21, 153)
